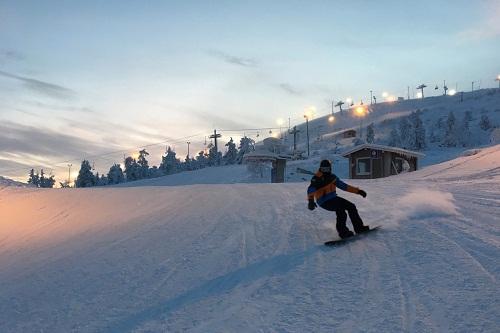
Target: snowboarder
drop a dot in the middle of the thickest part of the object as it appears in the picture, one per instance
(323, 189)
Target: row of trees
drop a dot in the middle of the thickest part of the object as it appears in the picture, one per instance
(136, 169)
(410, 132)
(39, 179)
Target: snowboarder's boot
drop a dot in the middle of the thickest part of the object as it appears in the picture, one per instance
(346, 234)
(362, 229)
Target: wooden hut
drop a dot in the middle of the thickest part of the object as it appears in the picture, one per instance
(368, 161)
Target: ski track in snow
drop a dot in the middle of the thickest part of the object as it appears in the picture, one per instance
(249, 258)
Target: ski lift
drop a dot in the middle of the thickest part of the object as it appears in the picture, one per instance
(257, 135)
(436, 88)
(270, 132)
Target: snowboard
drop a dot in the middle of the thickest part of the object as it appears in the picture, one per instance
(350, 239)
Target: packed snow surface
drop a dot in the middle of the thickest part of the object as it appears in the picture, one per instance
(249, 257)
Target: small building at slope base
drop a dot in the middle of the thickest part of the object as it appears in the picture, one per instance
(369, 161)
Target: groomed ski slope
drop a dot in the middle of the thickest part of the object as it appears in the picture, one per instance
(248, 257)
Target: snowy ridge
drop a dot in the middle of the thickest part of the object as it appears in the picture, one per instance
(9, 182)
(248, 257)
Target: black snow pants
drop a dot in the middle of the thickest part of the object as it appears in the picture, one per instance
(340, 206)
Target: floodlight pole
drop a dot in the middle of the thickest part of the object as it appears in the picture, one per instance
(69, 173)
(307, 133)
(215, 136)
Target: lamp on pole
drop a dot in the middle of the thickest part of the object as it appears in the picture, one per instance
(69, 173)
(307, 133)
(332, 117)
(280, 123)
(188, 143)
(360, 112)
(498, 79)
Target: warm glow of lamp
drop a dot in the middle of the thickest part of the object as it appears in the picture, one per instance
(385, 94)
(348, 100)
(452, 92)
(360, 110)
(391, 98)
(309, 112)
(419, 94)
(280, 121)
(331, 119)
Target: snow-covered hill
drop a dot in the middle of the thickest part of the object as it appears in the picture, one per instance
(248, 257)
(386, 116)
(9, 182)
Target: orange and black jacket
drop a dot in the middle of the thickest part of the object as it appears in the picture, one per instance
(323, 187)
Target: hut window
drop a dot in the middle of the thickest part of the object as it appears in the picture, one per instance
(363, 166)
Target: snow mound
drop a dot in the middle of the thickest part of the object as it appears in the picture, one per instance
(476, 164)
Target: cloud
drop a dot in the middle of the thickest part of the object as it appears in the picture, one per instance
(234, 60)
(121, 133)
(11, 168)
(22, 140)
(46, 88)
(11, 55)
(290, 89)
(68, 108)
(210, 119)
(487, 28)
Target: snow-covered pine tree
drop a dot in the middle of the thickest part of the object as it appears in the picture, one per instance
(143, 164)
(464, 134)
(231, 154)
(404, 132)
(45, 182)
(154, 172)
(201, 160)
(432, 135)
(246, 145)
(85, 176)
(370, 134)
(450, 136)
(49, 182)
(418, 132)
(394, 139)
(64, 184)
(101, 180)
(115, 174)
(485, 123)
(468, 115)
(214, 156)
(436, 131)
(187, 164)
(132, 169)
(34, 179)
(169, 164)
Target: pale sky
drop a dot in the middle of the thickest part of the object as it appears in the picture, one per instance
(79, 79)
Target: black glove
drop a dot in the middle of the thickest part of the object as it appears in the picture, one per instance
(311, 205)
(362, 193)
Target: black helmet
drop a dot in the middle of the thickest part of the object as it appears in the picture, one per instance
(325, 166)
